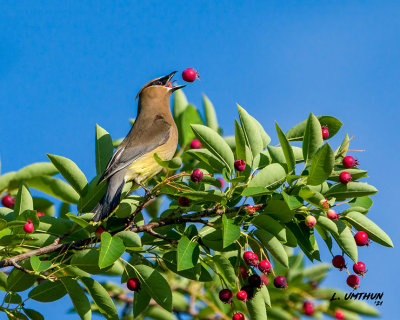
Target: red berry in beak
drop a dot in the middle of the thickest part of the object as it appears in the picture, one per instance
(189, 75)
(349, 162)
(133, 284)
(265, 266)
(225, 295)
(361, 239)
(325, 132)
(196, 144)
(197, 175)
(353, 281)
(28, 227)
(338, 262)
(360, 268)
(184, 202)
(8, 201)
(240, 165)
(250, 258)
(280, 282)
(241, 295)
(344, 177)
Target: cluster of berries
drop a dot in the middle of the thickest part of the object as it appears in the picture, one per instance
(309, 309)
(254, 281)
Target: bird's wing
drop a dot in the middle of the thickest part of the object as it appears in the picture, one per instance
(139, 141)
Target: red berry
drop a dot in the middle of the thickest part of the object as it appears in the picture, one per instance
(28, 227)
(353, 281)
(265, 266)
(349, 162)
(40, 214)
(99, 231)
(264, 279)
(339, 315)
(311, 221)
(196, 144)
(344, 177)
(325, 132)
(250, 258)
(308, 308)
(249, 290)
(225, 295)
(222, 182)
(360, 268)
(338, 262)
(280, 282)
(255, 281)
(251, 209)
(238, 316)
(133, 284)
(240, 165)
(8, 201)
(243, 272)
(197, 175)
(241, 295)
(332, 214)
(189, 75)
(324, 203)
(361, 239)
(184, 202)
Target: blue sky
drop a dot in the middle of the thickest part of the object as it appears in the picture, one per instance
(65, 66)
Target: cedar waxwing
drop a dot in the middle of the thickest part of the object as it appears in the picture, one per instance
(154, 131)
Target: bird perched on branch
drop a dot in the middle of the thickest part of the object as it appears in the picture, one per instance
(154, 131)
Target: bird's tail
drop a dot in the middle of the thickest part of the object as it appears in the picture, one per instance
(111, 199)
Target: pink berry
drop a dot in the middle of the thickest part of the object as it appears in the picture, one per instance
(189, 75)
(353, 281)
(361, 239)
(339, 315)
(344, 177)
(311, 221)
(196, 144)
(360, 268)
(197, 175)
(264, 279)
(8, 201)
(222, 182)
(241, 295)
(255, 281)
(250, 258)
(324, 203)
(238, 316)
(325, 132)
(184, 202)
(332, 214)
(240, 164)
(265, 266)
(251, 209)
(338, 262)
(225, 295)
(308, 308)
(133, 284)
(28, 227)
(40, 214)
(243, 272)
(280, 282)
(349, 162)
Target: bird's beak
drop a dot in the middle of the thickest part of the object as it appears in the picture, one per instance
(177, 88)
(171, 83)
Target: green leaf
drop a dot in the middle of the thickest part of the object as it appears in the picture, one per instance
(23, 201)
(293, 202)
(13, 298)
(265, 293)
(70, 171)
(48, 291)
(141, 301)
(256, 307)
(205, 156)
(55, 188)
(351, 190)
(130, 239)
(33, 314)
(341, 151)
(240, 141)
(43, 205)
(155, 285)
(287, 149)
(361, 222)
(365, 202)
(188, 117)
(188, 253)
(173, 164)
(225, 269)
(230, 231)
(78, 297)
(273, 245)
(355, 173)
(18, 281)
(264, 136)
(279, 210)
(111, 248)
(5, 180)
(101, 298)
(342, 235)
(321, 165)
(271, 177)
(251, 131)
(92, 196)
(104, 149)
(156, 313)
(215, 144)
(267, 223)
(31, 171)
(39, 265)
(180, 104)
(211, 116)
(312, 140)
(78, 220)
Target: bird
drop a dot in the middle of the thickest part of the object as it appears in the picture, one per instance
(154, 131)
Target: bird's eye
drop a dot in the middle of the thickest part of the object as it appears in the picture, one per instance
(158, 83)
